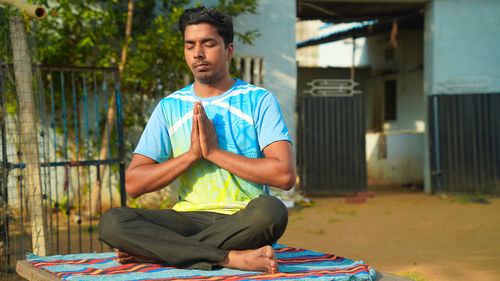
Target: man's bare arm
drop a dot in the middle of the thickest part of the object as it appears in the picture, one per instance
(277, 168)
(145, 175)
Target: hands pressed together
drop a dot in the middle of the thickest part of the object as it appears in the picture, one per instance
(203, 136)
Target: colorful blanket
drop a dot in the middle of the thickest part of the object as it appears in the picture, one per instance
(294, 264)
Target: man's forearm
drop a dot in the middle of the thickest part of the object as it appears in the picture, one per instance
(149, 177)
(268, 171)
(146, 175)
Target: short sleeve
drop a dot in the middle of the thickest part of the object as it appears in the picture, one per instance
(155, 141)
(269, 121)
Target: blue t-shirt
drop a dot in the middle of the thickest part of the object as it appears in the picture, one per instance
(246, 119)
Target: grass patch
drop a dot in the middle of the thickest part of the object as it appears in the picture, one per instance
(416, 276)
(351, 213)
(296, 218)
(466, 199)
(330, 220)
(318, 231)
(86, 228)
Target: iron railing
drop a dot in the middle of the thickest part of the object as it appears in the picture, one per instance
(72, 107)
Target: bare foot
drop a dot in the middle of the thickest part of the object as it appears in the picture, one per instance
(262, 259)
(124, 258)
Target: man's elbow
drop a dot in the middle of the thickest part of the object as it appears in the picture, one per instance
(287, 181)
(131, 188)
(132, 194)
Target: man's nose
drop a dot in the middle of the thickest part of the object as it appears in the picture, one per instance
(198, 52)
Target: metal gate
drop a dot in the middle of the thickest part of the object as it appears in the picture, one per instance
(331, 144)
(464, 132)
(71, 112)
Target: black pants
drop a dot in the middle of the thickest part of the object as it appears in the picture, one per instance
(193, 239)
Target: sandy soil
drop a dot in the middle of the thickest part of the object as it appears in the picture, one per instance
(398, 231)
(403, 232)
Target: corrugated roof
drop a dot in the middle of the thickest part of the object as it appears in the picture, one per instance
(358, 26)
(364, 29)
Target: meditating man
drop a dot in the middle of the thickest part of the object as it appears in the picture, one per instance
(226, 142)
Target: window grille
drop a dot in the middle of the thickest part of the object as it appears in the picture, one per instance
(249, 69)
(390, 100)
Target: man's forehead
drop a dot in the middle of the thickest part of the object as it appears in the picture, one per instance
(201, 31)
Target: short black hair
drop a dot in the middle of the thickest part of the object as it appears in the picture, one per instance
(222, 22)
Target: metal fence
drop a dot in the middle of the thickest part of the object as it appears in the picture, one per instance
(80, 155)
(331, 152)
(464, 133)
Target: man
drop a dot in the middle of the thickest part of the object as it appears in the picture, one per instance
(226, 141)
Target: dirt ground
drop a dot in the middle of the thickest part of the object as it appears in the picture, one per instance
(426, 237)
(412, 234)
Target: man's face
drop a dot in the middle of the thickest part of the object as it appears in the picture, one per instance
(205, 53)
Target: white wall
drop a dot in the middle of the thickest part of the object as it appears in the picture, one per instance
(275, 21)
(394, 159)
(304, 30)
(462, 39)
(402, 139)
(406, 69)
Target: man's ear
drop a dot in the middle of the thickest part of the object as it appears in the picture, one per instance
(230, 50)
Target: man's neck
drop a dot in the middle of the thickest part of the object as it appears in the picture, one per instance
(213, 90)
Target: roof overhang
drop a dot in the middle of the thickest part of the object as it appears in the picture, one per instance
(337, 11)
(406, 13)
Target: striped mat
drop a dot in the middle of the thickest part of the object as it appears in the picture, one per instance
(294, 264)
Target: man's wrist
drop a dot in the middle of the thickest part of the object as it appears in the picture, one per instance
(191, 157)
(214, 154)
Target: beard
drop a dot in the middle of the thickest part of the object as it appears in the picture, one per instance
(208, 76)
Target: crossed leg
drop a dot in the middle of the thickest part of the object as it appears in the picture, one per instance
(198, 239)
(262, 259)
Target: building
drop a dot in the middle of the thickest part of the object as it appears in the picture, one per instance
(429, 76)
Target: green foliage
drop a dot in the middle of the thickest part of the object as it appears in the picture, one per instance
(92, 33)
(62, 206)
(133, 203)
(165, 204)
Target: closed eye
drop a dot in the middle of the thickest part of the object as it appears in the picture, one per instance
(188, 45)
(209, 42)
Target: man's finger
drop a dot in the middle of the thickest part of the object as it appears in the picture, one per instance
(203, 114)
(202, 109)
(196, 108)
(201, 125)
(195, 122)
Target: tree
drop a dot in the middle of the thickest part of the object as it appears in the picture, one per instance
(140, 37)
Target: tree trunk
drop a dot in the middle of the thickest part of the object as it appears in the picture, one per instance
(29, 143)
(103, 153)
